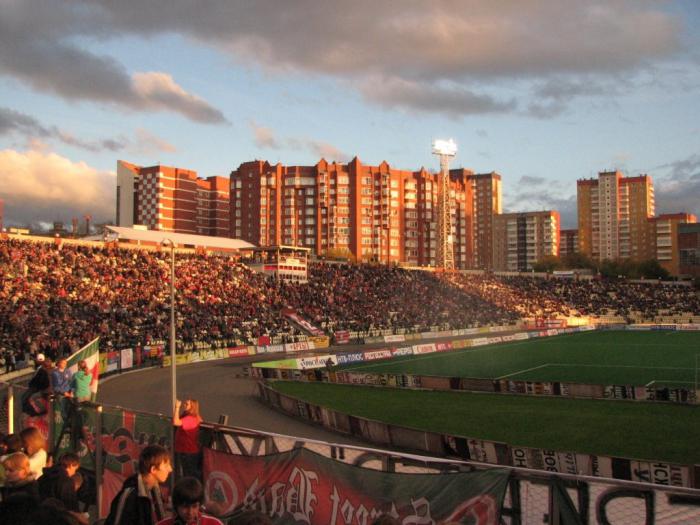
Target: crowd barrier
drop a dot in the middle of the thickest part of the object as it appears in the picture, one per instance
(489, 452)
(321, 483)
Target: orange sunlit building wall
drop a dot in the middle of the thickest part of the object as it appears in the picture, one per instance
(372, 213)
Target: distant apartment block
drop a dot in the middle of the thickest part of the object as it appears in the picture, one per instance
(172, 199)
(568, 242)
(377, 213)
(689, 250)
(522, 239)
(665, 232)
(486, 193)
(613, 213)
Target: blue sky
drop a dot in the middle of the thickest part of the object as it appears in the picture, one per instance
(541, 91)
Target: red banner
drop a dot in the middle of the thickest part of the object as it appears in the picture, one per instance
(301, 486)
(342, 337)
(238, 351)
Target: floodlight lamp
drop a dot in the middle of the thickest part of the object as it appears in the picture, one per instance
(445, 147)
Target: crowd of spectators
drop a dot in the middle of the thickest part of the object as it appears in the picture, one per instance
(56, 298)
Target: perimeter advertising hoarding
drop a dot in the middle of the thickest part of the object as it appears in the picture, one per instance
(372, 355)
(301, 486)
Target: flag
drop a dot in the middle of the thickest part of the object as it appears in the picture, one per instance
(91, 354)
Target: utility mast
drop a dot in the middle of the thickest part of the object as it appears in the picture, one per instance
(444, 255)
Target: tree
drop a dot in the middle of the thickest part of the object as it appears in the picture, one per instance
(547, 263)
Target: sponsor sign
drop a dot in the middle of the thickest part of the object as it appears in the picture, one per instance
(424, 349)
(395, 338)
(319, 342)
(404, 350)
(237, 351)
(480, 341)
(443, 347)
(371, 355)
(301, 486)
(318, 361)
(296, 347)
(353, 357)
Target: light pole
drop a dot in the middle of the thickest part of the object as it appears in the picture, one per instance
(173, 375)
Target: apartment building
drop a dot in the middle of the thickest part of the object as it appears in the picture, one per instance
(487, 203)
(522, 239)
(689, 250)
(171, 199)
(665, 232)
(568, 242)
(376, 213)
(613, 213)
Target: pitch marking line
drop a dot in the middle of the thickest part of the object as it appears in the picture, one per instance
(669, 381)
(523, 371)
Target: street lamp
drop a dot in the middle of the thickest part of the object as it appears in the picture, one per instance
(173, 376)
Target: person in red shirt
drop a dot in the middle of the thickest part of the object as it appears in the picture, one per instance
(187, 450)
(188, 497)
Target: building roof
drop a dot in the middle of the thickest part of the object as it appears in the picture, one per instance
(180, 239)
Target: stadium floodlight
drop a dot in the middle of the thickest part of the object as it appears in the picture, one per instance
(173, 374)
(446, 147)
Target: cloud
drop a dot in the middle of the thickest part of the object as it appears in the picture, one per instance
(417, 48)
(264, 137)
(267, 138)
(677, 186)
(147, 143)
(430, 97)
(37, 46)
(15, 122)
(159, 91)
(36, 184)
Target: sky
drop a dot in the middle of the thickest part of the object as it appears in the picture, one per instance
(543, 92)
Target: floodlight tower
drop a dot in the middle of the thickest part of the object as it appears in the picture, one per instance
(444, 256)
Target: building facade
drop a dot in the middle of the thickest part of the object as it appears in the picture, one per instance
(374, 213)
(664, 230)
(522, 239)
(487, 204)
(689, 250)
(613, 213)
(568, 242)
(171, 199)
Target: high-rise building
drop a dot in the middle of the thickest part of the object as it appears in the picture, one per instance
(522, 239)
(664, 231)
(376, 213)
(568, 242)
(171, 199)
(613, 213)
(689, 250)
(486, 194)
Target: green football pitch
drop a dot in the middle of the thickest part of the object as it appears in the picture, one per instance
(658, 358)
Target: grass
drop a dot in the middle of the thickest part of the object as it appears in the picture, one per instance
(609, 358)
(652, 431)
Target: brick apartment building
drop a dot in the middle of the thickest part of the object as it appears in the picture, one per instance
(377, 213)
(613, 213)
(172, 199)
(568, 242)
(665, 232)
(522, 239)
(689, 250)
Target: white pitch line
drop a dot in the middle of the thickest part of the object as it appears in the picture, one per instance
(523, 371)
(584, 365)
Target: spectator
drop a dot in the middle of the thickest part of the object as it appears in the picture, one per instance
(139, 502)
(187, 449)
(188, 500)
(80, 383)
(34, 446)
(56, 481)
(61, 378)
(19, 478)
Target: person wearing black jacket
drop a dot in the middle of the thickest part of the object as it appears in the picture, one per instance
(18, 478)
(139, 501)
(56, 481)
